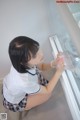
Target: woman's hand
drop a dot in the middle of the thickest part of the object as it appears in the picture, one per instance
(55, 62)
(60, 62)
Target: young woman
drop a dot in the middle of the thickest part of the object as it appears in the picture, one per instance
(25, 87)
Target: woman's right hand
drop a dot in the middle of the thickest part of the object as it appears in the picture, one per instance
(60, 64)
(60, 67)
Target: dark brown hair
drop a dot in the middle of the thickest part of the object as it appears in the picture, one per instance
(21, 49)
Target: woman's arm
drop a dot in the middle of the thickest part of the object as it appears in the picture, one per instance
(45, 92)
(52, 64)
(47, 66)
(52, 83)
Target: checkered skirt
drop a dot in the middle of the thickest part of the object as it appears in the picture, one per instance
(16, 107)
(22, 104)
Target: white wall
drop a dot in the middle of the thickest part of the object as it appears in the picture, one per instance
(21, 17)
(37, 19)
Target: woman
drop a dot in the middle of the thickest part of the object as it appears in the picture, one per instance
(25, 87)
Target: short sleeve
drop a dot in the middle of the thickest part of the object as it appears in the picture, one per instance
(32, 88)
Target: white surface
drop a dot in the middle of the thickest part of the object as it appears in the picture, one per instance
(65, 82)
(22, 17)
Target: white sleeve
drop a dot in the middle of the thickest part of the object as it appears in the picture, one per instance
(32, 88)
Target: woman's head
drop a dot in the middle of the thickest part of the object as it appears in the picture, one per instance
(24, 52)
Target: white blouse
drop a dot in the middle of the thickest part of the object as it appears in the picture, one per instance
(16, 85)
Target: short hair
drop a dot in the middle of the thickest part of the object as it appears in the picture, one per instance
(21, 50)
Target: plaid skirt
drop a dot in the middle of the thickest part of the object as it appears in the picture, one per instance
(22, 104)
(16, 107)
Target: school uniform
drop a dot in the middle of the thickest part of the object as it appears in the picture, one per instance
(17, 86)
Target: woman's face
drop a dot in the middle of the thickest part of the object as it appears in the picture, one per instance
(37, 60)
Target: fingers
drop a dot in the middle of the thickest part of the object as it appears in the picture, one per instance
(59, 58)
(60, 64)
(59, 54)
(61, 68)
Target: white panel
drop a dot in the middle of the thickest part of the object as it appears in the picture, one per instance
(65, 82)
